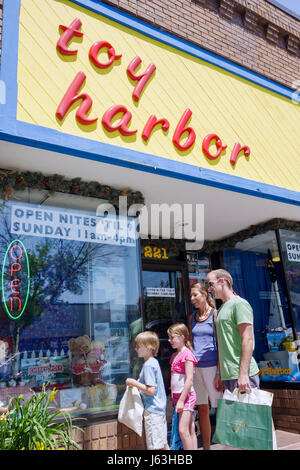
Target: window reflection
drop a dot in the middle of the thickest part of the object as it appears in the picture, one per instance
(74, 333)
(290, 245)
(258, 276)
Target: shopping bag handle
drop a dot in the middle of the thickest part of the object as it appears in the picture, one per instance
(237, 392)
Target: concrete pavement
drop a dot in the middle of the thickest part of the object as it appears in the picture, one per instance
(285, 441)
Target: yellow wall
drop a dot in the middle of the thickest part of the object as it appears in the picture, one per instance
(222, 103)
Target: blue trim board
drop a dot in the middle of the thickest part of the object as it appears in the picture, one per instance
(9, 56)
(40, 137)
(49, 139)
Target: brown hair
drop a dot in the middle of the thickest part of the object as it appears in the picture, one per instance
(181, 329)
(149, 339)
(203, 288)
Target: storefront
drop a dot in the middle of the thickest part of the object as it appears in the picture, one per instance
(134, 119)
(263, 261)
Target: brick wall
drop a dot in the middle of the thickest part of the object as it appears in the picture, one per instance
(286, 410)
(110, 435)
(252, 33)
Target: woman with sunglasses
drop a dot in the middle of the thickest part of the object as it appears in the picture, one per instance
(207, 383)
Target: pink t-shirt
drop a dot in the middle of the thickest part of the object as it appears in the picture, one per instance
(177, 362)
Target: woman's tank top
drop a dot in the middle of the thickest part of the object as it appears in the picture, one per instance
(205, 345)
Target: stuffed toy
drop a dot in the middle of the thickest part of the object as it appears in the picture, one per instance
(83, 343)
(98, 349)
(87, 360)
(96, 360)
(94, 368)
(79, 348)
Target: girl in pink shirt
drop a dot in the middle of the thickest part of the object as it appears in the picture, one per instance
(182, 390)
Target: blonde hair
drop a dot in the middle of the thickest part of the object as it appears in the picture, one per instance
(202, 288)
(149, 339)
(222, 273)
(180, 329)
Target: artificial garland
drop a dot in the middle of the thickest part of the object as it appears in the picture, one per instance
(230, 242)
(14, 180)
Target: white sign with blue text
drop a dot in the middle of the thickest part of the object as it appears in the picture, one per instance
(71, 225)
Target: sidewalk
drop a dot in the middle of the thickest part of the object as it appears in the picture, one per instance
(285, 441)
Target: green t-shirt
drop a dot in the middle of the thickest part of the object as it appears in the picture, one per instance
(231, 314)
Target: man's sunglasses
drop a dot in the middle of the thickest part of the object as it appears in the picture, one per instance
(211, 283)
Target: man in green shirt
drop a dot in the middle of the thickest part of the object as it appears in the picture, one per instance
(235, 335)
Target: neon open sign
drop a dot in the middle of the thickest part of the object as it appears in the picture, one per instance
(15, 279)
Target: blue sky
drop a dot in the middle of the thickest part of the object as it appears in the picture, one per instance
(293, 5)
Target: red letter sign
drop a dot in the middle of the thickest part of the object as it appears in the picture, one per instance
(123, 123)
(181, 129)
(65, 38)
(15, 284)
(14, 268)
(19, 305)
(151, 123)
(206, 143)
(71, 97)
(142, 79)
(237, 149)
(95, 49)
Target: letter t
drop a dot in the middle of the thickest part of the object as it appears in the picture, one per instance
(65, 38)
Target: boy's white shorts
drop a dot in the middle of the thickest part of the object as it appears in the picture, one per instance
(155, 430)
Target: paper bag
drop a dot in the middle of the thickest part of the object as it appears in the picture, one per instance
(131, 410)
(243, 423)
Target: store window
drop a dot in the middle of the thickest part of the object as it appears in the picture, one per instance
(258, 276)
(70, 290)
(199, 266)
(290, 247)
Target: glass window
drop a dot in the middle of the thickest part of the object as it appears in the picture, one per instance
(70, 293)
(258, 277)
(290, 246)
(199, 266)
(164, 304)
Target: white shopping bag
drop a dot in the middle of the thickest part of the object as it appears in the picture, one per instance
(131, 410)
(255, 397)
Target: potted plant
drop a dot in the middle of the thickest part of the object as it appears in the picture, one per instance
(34, 424)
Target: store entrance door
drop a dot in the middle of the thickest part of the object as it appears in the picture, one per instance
(165, 303)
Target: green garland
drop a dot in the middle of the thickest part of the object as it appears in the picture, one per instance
(13, 180)
(230, 242)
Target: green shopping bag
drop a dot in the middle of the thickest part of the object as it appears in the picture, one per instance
(243, 425)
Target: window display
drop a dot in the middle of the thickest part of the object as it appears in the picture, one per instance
(70, 290)
(258, 277)
(290, 246)
(199, 266)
